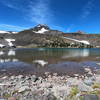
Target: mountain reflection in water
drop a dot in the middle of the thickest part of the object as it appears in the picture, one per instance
(41, 60)
(52, 55)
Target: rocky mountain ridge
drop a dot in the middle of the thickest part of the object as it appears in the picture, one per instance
(43, 36)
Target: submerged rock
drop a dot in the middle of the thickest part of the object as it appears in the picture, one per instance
(88, 82)
(98, 64)
(84, 88)
(41, 62)
(91, 97)
(12, 98)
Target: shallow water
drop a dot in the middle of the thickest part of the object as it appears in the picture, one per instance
(60, 60)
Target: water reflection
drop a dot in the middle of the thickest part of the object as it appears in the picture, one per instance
(8, 56)
(1, 53)
(11, 53)
(77, 53)
(8, 60)
(49, 55)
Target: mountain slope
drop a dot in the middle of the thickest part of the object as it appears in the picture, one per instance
(43, 36)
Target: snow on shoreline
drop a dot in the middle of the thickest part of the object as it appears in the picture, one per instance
(3, 32)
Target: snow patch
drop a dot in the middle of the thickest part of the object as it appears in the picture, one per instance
(42, 31)
(4, 32)
(83, 41)
(1, 45)
(10, 42)
(14, 32)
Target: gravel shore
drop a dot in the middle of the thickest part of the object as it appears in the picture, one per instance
(50, 87)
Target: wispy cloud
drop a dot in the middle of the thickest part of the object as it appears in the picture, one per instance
(40, 12)
(11, 27)
(87, 9)
(70, 28)
(55, 27)
(10, 4)
(37, 11)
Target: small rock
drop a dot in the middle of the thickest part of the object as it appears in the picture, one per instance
(12, 98)
(5, 77)
(47, 73)
(91, 97)
(34, 78)
(84, 88)
(28, 78)
(98, 64)
(73, 82)
(87, 69)
(55, 74)
(20, 76)
(46, 85)
(76, 75)
(88, 82)
(22, 89)
(41, 62)
(12, 77)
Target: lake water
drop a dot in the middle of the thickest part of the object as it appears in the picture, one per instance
(60, 60)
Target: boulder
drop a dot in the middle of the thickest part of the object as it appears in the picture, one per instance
(23, 88)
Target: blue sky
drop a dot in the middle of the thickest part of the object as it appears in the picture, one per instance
(64, 15)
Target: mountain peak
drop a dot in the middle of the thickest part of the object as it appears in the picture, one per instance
(40, 26)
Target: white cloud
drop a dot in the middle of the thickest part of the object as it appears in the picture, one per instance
(87, 9)
(11, 27)
(40, 12)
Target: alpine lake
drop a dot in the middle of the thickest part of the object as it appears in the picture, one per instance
(37, 61)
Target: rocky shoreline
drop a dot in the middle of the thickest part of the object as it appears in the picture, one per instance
(50, 87)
